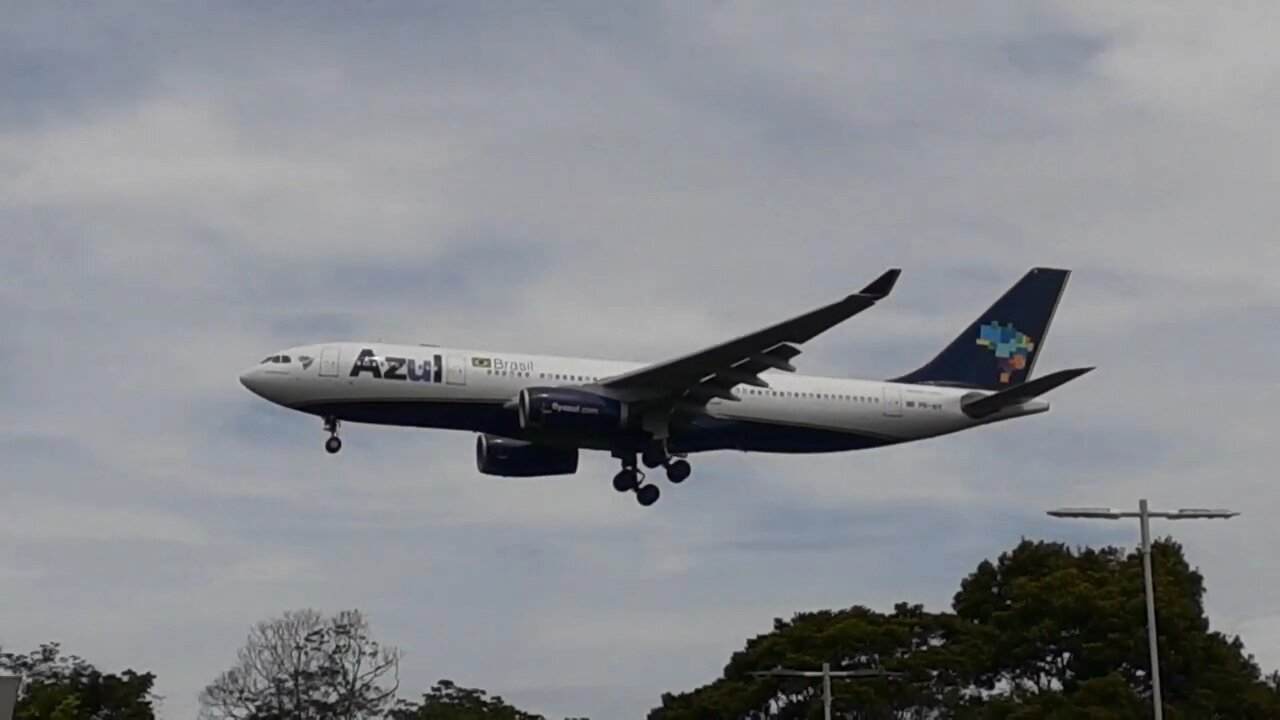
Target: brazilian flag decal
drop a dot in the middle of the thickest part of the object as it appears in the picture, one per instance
(481, 362)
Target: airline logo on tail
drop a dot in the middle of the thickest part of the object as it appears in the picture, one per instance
(1011, 347)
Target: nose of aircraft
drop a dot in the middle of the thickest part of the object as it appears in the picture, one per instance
(252, 380)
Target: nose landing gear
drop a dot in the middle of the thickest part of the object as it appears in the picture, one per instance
(334, 443)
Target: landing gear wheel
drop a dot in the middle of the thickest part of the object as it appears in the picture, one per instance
(678, 471)
(333, 444)
(647, 494)
(655, 456)
(627, 480)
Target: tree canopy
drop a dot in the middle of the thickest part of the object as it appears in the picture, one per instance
(66, 687)
(1044, 632)
(448, 701)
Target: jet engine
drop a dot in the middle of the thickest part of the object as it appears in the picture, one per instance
(570, 410)
(515, 458)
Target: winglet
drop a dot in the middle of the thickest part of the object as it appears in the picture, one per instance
(881, 286)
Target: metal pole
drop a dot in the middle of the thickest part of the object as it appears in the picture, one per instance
(1156, 701)
(826, 691)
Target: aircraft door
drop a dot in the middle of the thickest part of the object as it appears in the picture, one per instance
(455, 370)
(329, 362)
(892, 401)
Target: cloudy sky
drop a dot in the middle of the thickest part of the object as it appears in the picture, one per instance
(184, 190)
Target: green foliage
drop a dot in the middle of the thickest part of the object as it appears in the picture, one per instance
(65, 687)
(448, 701)
(1043, 632)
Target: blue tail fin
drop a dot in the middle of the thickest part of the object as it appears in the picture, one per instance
(1000, 348)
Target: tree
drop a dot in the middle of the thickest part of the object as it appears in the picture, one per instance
(304, 666)
(66, 687)
(448, 701)
(1061, 619)
(1043, 632)
(909, 640)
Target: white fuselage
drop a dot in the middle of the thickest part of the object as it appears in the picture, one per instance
(474, 390)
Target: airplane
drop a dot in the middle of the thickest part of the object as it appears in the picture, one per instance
(534, 414)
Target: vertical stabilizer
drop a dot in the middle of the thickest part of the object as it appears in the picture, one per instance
(1000, 348)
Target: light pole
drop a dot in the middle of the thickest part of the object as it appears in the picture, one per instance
(826, 673)
(1145, 515)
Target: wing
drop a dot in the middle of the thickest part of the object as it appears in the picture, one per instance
(715, 371)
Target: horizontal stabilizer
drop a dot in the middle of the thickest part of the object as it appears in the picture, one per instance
(994, 403)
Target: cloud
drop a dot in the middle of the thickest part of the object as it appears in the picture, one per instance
(184, 190)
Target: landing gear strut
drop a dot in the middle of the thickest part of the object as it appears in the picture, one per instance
(334, 443)
(655, 456)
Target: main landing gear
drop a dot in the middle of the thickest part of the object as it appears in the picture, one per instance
(632, 478)
(656, 455)
(334, 443)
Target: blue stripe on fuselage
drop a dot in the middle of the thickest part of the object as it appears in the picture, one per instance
(701, 434)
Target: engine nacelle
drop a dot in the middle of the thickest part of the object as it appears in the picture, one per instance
(515, 458)
(570, 410)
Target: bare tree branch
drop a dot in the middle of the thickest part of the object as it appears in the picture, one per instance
(304, 666)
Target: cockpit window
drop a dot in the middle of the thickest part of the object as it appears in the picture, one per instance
(276, 359)
(285, 359)
(268, 360)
